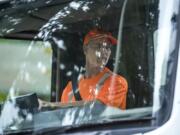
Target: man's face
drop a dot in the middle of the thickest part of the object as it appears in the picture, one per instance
(98, 52)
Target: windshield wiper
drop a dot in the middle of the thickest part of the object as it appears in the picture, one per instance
(91, 125)
(100, 126)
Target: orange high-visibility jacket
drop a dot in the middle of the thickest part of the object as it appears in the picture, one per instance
(112, 92)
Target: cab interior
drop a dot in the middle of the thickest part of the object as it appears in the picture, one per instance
(136, 62)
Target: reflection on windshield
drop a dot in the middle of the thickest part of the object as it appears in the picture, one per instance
(60, 57)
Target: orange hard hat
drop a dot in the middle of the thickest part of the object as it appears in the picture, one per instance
(97, 33)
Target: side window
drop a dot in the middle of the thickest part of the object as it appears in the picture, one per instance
(25, 68)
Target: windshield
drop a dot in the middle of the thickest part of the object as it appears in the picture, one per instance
(73, 62)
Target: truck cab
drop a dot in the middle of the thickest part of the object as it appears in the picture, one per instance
(41, 48)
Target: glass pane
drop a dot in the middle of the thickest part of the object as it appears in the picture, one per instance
(96, 61)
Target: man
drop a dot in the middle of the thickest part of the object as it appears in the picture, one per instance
(98, 82)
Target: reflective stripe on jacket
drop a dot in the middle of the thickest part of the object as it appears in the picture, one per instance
(109, 88)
